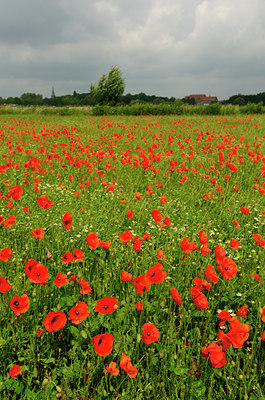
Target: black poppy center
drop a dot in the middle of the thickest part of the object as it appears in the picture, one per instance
(16, 303)
(105, 307)
(77, 313)
(148, 333)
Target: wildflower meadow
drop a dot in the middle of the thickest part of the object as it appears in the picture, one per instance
(132, 257)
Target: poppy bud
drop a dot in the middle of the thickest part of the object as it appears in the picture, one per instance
(83, 334)
(45, 382)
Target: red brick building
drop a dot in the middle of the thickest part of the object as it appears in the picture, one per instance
(201, 98)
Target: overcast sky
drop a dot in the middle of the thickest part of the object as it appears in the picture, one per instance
(164, 47)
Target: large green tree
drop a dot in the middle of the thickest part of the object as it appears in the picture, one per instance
(109, 88)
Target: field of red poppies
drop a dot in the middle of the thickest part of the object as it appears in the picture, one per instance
(132, 257)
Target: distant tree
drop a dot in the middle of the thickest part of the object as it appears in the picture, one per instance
(109, 88)
(12, 100)
(31, 99)
(239, 100)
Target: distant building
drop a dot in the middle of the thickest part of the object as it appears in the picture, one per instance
(53, 93)
(201, 98)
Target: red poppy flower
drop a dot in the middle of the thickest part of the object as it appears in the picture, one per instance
(39, 332)
(4, 285)
(138, 196)
(103, 344)
(92, 240)
(262, 242)
(9, 205)
(29, 265)
(79, 313)
(67, 257)
(157, 216)
(176, 296)
(263, 336)
(210, 274)
(67, 220)
(106, 305)
(78, 255)
(257, 237)
(220, 253)
(200, 300)
(141, 284)
(149, 333)
(156, 274)
(237, 335)
(26, 210)
(38, 274)
(199, 284)
(188, 247)
(104, 245)
(55, 321)
(224, 316)
(137, 244)
(255, 276)
(167, 221)
(139, 306)
(125, 237)
(38, 233)
(228, 268)
(15, 370)
(160, 254)
(5, 254)
(203, 237)
(111, 188)
(146, 236)
(127, 366)
(126, 276)
(205, 250)
(9, 221)
(243, 311)
(244, 210)
(112, 369)
(129, 214)
(20, 304)
(149, 190)
(234, 244)
(236, 224)
(16, 192)
(60, 279)
(44, 202)
(84, 286)
(163, 200)
(215, 354)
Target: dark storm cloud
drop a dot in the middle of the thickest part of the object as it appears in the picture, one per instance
(164, 47)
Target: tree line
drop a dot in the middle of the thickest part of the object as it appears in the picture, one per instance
(109, 91)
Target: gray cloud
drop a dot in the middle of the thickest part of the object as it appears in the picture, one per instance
(164, 47)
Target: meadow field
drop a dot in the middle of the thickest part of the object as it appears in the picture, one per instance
(132, 256)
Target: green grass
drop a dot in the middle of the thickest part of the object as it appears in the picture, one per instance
(64, 363)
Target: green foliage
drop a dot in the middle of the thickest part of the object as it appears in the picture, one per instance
(109, 88)
(32, 99)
